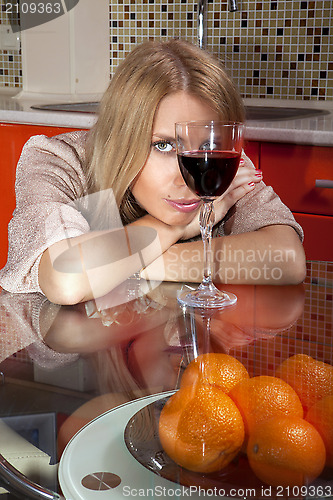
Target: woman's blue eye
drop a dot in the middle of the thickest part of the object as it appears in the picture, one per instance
(208, 146)
(163, 146)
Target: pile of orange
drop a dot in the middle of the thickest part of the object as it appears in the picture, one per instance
(200, 427)
(320, 415)
(286, 451)
(311, 379)
(201, 430)
(284, 422)
(262, 397)
(220, 370)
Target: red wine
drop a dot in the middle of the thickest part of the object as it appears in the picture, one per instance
(208, 173)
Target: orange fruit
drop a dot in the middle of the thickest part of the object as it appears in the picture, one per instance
(218, 369)
(320, 415)
(286, 451)
(311, 379)
(201, 429)
(262, 397)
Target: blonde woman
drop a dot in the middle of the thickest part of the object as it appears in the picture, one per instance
(130, 153)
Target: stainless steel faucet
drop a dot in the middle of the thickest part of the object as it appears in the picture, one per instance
(233, 7)
(201, 23)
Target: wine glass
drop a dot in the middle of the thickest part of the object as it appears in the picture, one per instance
(208, 156)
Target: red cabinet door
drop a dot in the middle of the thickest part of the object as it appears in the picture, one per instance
(252, 150)
(298, 175)
(12, 139)
(318, 236)
(294, 171)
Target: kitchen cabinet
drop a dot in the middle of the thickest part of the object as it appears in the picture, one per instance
(12, 139)
(299, 174)
(293, 171)
(252, 150)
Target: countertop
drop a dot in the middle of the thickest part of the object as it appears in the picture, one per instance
(315, 130)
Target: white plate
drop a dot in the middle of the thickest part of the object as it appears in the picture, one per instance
(99, 447)
(96, 464)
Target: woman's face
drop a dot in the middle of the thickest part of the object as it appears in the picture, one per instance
(160, 188)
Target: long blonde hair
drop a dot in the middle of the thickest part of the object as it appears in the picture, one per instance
(120, 141)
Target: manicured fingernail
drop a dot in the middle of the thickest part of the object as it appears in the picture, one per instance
(258, 173)
(241, 161)
(251, 184)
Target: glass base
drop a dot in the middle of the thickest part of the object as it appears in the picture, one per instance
(206, 297)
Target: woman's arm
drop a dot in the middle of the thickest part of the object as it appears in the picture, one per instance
(271, 255)
(91, 265)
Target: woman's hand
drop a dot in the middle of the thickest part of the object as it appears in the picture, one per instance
(243, 183)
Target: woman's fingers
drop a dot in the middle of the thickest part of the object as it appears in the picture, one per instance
(238, 192)
(243, 183)
(245, 175)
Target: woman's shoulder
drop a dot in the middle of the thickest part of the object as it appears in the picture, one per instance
(65, 144)
(57, 160)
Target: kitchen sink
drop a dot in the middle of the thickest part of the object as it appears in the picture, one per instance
(269, 113)
(261, 113)
(70, 107)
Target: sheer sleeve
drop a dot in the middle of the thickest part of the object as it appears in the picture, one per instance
(49, 176)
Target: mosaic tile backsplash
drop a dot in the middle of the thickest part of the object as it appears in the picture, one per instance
(272, 48)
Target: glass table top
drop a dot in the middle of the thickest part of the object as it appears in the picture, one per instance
(63, 367)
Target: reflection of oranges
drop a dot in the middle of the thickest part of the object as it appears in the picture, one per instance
(320, 415)
(218, 369)
(201, 428)
(262, 397)
(311, 379)
(286, 451)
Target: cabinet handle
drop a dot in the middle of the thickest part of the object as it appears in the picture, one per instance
(324, 183)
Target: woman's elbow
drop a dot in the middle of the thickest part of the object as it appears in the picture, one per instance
(60, 288)
(64, 292)
(295, 271)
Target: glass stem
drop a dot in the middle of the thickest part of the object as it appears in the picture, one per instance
(207, 218)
